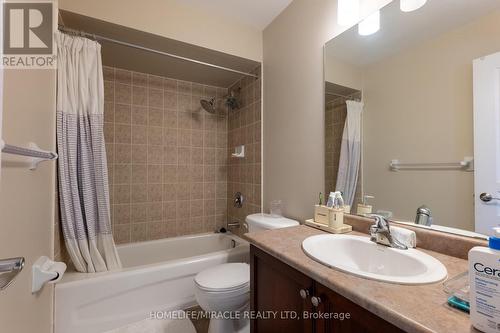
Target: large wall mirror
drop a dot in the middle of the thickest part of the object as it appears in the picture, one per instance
(412, 115)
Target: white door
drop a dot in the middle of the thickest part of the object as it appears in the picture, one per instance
(487, 142)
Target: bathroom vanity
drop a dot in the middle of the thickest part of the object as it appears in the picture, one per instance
(284, 278)
(278, 287)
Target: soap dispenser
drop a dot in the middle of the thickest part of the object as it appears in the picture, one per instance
(484, 274)
(337, 214)
(364, 208)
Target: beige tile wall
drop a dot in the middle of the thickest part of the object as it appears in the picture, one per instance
(335, 115)
(245, 127)
(170, 170)
(167, 158)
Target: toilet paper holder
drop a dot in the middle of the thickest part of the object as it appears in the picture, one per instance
(45, 271)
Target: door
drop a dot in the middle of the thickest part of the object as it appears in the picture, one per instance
(281, 292)
(487, 142)
(338, 314)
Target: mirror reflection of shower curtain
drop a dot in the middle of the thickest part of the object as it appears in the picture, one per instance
(350, 152)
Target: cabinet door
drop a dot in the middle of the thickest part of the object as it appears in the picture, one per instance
(360, 320)
(275, 287)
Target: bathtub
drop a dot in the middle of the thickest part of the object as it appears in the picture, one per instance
(156, 276)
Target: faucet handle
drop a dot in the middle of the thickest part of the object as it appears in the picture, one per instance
(381, 223)
(238, 200)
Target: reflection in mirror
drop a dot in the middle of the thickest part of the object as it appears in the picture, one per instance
(338, 99)
(425, 87)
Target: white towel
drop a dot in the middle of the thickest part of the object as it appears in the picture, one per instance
(404, 236)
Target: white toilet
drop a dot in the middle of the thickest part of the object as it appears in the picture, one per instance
(225, 288)
(260, 221)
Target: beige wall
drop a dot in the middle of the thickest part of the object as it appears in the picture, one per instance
(172, 19)
(343, 73)
(294, 102)
(418, 108)
(27, 197)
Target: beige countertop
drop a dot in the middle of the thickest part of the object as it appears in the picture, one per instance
(411, 308)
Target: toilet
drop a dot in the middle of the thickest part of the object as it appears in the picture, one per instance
(225, 289)
(260, 221)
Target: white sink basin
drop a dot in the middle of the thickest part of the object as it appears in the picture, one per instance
(360, 256)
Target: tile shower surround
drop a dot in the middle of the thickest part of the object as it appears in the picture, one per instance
(244, 128)
(170, 171)
(167, 159)
(335, 116)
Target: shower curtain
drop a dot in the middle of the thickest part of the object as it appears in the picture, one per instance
(82, 166)
(350, 152)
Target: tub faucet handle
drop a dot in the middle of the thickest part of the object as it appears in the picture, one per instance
(238, 200)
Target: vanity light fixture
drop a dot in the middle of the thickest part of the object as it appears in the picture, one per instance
(370, 25)
(347, 12)
(411, 5)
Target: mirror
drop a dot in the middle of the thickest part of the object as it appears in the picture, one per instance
(412, 116)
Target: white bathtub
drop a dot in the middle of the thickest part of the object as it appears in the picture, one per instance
(156, 276)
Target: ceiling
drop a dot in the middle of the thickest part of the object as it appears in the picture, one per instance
(146, 62)
(256, 13)
(400, 30)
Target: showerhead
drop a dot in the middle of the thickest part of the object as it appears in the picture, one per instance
(208, 106)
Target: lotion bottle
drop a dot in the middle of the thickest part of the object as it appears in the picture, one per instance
(484, 279)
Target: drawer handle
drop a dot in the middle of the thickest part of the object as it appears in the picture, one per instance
(315, 300)
(304, 293)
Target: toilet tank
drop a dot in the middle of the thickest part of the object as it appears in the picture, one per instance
(258, 222)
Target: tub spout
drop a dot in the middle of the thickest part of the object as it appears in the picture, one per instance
(233, 225)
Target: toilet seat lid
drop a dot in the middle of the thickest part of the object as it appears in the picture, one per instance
(267, 221)
(224, 277)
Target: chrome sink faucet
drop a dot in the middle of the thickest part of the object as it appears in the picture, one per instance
(380, 233)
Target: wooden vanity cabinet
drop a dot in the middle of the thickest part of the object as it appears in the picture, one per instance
(282, 292)
(275, 289)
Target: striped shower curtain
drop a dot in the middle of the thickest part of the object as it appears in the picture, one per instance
(82, 168)
(350, 152)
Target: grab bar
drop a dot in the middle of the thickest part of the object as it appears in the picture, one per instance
(9, 268)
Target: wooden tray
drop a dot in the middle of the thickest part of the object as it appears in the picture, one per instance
(342, 230)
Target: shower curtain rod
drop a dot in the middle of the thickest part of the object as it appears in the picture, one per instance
(135, 46)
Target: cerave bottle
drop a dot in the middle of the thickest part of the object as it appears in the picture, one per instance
(484, 279)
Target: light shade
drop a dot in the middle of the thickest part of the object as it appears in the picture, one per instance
(370, 25)
(411, 5)
(347, 12)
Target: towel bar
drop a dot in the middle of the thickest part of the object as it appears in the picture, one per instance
(37, 155)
